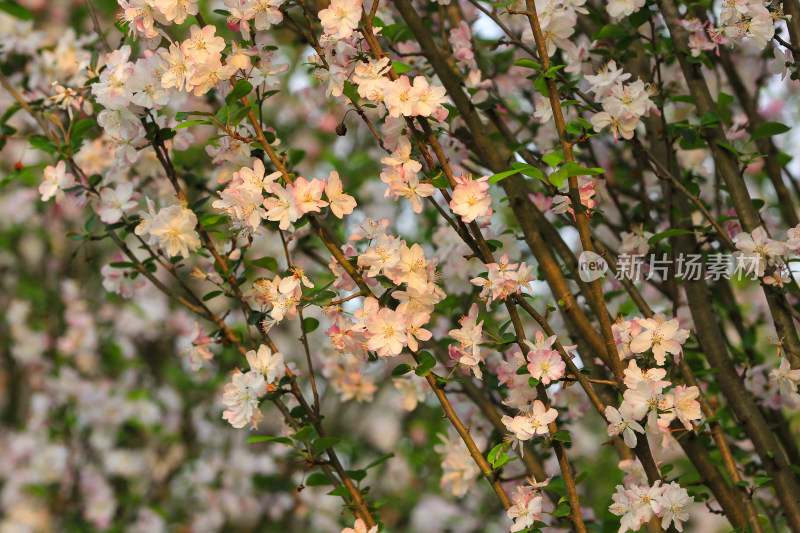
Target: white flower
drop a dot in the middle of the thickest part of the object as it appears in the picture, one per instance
(341, 17)
(785, 378)
(174, 228)
(241, 397)
(56, 180)
(623, 422)
(265, 362)
(673, 502)
(114, 202)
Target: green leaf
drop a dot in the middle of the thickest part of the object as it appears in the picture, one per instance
(497, 452)
(426, 364)
(280, 440)
(528, 170)
(303, 433)
(571, 168)
(533, 382)
(211, 295)
(317, 479)
(323, 443)
(351, 92)
(267, 263)
(769, 129)
(527, 63)
(610, 31)
(667, 234)
(562, 435)
(310, 324)
(501, 176)
(562, 510)
(379, 460)
(401, 370)
(190, 123)
(400, 68)
(240, 90)
(15, 10)
(709, 118)
(342, 492)
(554, 159)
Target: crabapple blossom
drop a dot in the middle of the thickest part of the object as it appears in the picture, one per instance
(527, 508)
(242, 397)
(470, 198)
(785, 378)
(115, 202)
(546, 365)
(341, 17)
(265, 362)
(672, 503)
(387, 332)
(662, 336)
(758, 249)
(623, 421)
(56, 181)
(340, 202)
(173, 228)
(360, 527)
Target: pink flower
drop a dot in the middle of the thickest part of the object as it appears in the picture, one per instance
(546, 365)
(341, 17)
(471, 200)
(308, 195)
(662, 336)
(241, 397)
(622, 421)
(360, 527)
(759, 249)
(341, 203)
(541, 416)
(56, 180)
(386, 332)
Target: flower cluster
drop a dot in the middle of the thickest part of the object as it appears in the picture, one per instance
(639, 503)
(504, 279)
(244, 390)
(623, 103)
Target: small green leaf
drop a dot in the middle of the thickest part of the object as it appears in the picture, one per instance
(497, 452)
(15, 10)
(501, 176)
(323, 443)
(562, 435)
(667, 234)
(350, 92)
(610, 31)
(527, 63)
(190, 123)
(769, 129)
(310, 324)
(426, 364)
(401, 370)
(400, 68)
(709, 118)
(303, 433)
(342, 492)
(240, 90)
(211, 295)
(279, 440)
(267, 263)
(317, 479)
(554, 159)
(379, 460)
(563, 510)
